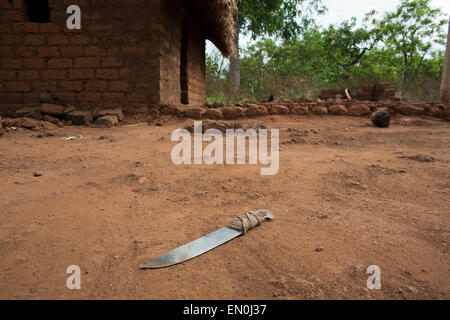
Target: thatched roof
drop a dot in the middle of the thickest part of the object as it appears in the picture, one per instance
(217, 18)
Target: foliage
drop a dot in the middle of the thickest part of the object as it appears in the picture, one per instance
(403, 47)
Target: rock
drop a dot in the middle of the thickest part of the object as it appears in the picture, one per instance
(277, 109)
(174, 110)
(254, 110)
(410, 110)
(80, 118)
(53, 109)
(51, 119)
(320, 110)
(232, 113)
(303, 111)
(32, 113)
(359, 110)
(108, 121)
(413, 290)
(338, 110)
(9, 123)
(112, 112)
(437, 112)
(381, 119)
(69, 109)
(37, 174)
(214, 114)
(195, 113)
(30, 124)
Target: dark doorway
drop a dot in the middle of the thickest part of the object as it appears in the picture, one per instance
(38, 11)
(184, 62)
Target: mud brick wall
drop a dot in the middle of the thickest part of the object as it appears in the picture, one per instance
(113, 61)
(172, 15)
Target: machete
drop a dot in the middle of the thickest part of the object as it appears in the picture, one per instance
(202, 245)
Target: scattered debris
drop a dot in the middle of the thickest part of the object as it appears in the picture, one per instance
(419, 158)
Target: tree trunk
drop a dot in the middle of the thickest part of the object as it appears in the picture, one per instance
(235, 65)
(445, 85)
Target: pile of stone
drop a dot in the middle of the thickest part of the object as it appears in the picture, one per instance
(381, 91)
(60, 115)
(350, 108)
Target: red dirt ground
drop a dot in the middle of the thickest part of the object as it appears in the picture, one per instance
(345, 198)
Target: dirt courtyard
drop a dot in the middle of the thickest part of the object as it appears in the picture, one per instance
(347, 196)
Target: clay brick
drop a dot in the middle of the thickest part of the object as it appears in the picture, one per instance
(49, 28)
(90, 96)
(18, 86)
(79, 74)
(5, 28)
(101, 28)
(57, 40)
(12, 39)
(96, 85)
(6, 52)
(8, 63)
(44, 85)
(113, 97)
(124, 73)
(4, 4)
(34, 40)
(107, 74)
(136, 97)
(72, 52)
(86, 62)
(118, 86)
(134, 50)
(79, 40)
(8, 75)
(110, 62)
(18, 27)
(28, 75)
(31, 27)
(56, 63)
(48, 52)
(11, 97)
(71, 85)
(54, 74)
(92, 51)
(11, 15)
(34, 63)
(25, 51)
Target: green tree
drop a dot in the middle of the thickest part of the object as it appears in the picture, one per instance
(411, 32)
(278, 18)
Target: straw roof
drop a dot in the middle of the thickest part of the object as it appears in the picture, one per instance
(217, 18)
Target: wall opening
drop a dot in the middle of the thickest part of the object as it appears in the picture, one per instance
(184, 62)
(38, 11)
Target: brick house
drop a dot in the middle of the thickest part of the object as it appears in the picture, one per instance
(131, 54)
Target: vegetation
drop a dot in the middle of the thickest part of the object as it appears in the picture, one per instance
(404, 47)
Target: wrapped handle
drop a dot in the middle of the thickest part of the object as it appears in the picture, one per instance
(250, 220)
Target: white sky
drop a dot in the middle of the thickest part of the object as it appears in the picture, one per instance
(340, 10)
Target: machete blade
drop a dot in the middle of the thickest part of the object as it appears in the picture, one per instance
(193, 249)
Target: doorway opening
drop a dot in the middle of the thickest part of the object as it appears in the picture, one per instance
(184, 81)
(38, 11)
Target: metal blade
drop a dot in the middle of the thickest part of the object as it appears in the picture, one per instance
(193, 249)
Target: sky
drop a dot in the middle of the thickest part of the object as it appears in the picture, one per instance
(340, 10)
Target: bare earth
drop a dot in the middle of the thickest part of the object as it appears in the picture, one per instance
(346, 197)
